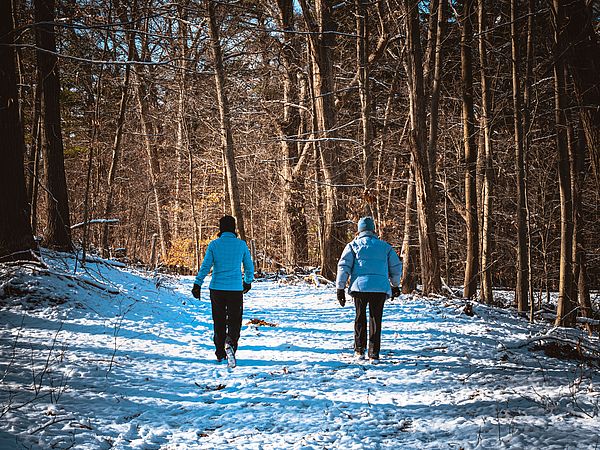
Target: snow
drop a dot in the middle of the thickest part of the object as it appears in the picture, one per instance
(118, 358)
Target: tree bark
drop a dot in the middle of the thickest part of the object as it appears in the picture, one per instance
(429, 253)
(584, 65)
(148, 135)
(364, 92)
(581, 295)
(16, 239)
(293, 217)
(226, 133)
(527, 142)
(436, 89)
(117, 147)
(472, 257)
(409, 280)
(487, 295)
(522, 282)
(58, 231)
(564, 313)
(322, 43)
(33, 164)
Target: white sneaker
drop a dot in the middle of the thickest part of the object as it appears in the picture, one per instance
(231, 362)
(359, 356)
(374, 361)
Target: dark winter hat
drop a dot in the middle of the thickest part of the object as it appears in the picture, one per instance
(366, 224)
(226, 223)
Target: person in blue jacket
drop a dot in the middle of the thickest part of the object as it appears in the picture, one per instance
(372, 269)
(226, 255)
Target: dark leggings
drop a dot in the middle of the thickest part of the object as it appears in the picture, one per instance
(375, 300)
(227, 309)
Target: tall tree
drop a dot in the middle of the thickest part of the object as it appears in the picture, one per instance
(583, 51)
(58, 229)
(148, 130)
(294, 155)
(522, 284)
(16, 239)
(225, 116)
(564, 313)
(428, 246)
(321, 40)
(117, 145)
(487, 184)
(468, 116)
(364, 92)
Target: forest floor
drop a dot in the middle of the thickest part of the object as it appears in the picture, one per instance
(118, 358)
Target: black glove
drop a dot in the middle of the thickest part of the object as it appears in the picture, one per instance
(196, 291)
(247, 287)
(395, 291)
(341, 296)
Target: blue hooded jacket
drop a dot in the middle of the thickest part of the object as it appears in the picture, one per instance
(370, 264)
(225, 255)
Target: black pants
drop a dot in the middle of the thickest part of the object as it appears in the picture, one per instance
(227, 309)
(375, 300)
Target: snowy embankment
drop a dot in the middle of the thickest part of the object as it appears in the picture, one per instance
(113, 358)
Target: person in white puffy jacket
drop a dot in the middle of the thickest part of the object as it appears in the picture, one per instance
(372, 270)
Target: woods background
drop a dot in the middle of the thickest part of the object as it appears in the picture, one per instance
(469, 130)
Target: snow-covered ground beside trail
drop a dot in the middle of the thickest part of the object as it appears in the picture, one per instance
(85, 367)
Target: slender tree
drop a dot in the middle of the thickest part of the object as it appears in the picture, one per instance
(428, 246)
(321, 45)
(294, 154)
(468, 116)
(226, 133)
(583, 52)
(58, 230)
(364, 92)
(148, 130)
(522, 288)
(564, 314)
(487, 184)
(117, 146)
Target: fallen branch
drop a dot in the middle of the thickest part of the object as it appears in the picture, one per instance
(92, 221)
(92, 283)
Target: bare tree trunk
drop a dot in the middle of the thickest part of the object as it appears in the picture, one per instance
(472, 257)
(521, 288)
(58, 227)
(181, 140)
(95, 123)
(364, 92)
(436, 89)
(226, 134)
(322, 43)
(16, 239)
(577, 172)
(527, 143)
(294, 220)
(429, 253)
(384, 211)
(564, 313)
(487, 295)
(148, 134)
(193, 208)
(33, 178)
(180, 150)
(584, 65)
(116, 150)
(149, 137)
(409, 280)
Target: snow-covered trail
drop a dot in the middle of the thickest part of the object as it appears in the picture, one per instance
(445, 380)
